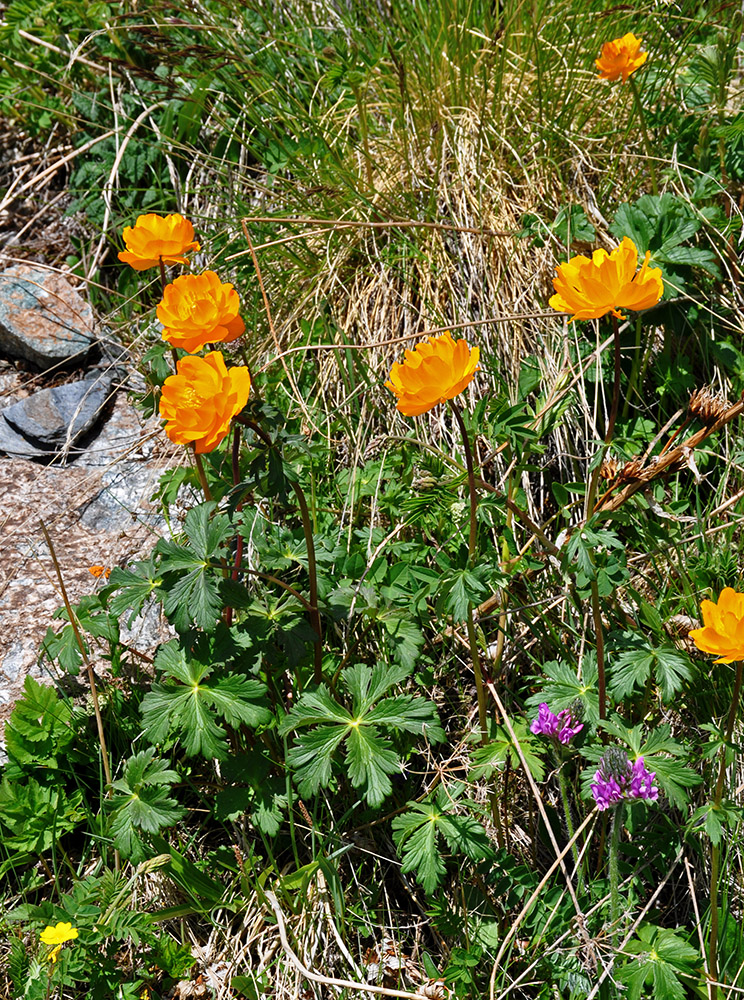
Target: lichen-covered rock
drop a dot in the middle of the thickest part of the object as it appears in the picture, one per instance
(43, 319)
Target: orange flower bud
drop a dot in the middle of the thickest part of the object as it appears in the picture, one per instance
(197, 309)
(200, 400)
(435, 370)
(155, 238)
(591, 287)
(620, 58)
(723, 631)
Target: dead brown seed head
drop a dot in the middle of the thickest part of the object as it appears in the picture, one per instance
(609, 468)
(631, 470)
(708, 406)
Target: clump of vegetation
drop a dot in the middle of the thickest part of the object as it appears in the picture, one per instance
(449, 333)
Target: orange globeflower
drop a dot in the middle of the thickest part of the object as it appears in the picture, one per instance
(591, 287)
(723, 631)
(197, 309)
(201, 399)
(155, 238)
(620, 58)
(435, 370)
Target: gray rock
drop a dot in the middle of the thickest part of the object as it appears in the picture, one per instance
(46, 423)
(43, 319)
(15, 445)
(51, 417)
(123, 500)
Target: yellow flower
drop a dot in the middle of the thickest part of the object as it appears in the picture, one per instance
(435, 370)
(723, 631)
(620, 58)
(58, 934)
(197, 309)
(201, 399)
(155, 238)
(591, 287)
(54, 953)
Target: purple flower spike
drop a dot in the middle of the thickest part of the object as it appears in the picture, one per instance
(642, 782)
(617, 779)
(562, 727)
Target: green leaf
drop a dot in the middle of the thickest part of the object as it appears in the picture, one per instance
(257, 791)
(563, 685)
(417, 831)
(370, 755)
(662, 957)
(311, 757)
(572, 225)
(465, 835)
(204, 891)
(661, 225)
(63, 647)
(188, 706)
(39, 728)
(715, 819)
(634, 667)
(494, 755)
(415, 836)
(370, 760)
(462, 591)
(195, 596)
(33, 817)
(142, 802)
(135, 585)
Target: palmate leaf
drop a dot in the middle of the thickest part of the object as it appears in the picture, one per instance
(312, 756)
(417, 834)
(634, 666)
(563, 685)
(370, 754)
(662, 224)
(370, 760)
(367, 684)
(135, 587)
(257, 791)
(661, 753)
(195, 596)
(495, 754)
(187, 707)
(142, 802)
(662, 957)
(404, 638)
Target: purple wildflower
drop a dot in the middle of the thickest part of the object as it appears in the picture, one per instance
(617, 779)
(562, 727)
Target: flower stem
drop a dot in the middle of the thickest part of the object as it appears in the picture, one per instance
(716, 848)
(89, 669)
(588, 511)
(238, 537)
(644, 132)
(202, 476)
(638, 361)
(312, 572)
(617, 829)
(163, 285)
(471, 479)
(563, 785)
(599, 637)
(312, 569)
(472, 639)
(479, 687)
